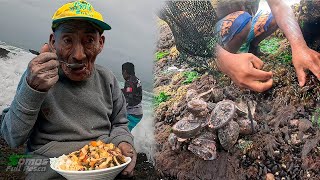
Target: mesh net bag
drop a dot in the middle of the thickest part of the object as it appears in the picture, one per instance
(192, 24)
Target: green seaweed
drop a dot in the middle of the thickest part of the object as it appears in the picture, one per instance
(162, 97)
(302, 24)
(270, 45)
(159, 55)
(315, 119)
(190, 77)
(285, 57)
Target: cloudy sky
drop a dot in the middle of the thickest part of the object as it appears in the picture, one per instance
(26, 24)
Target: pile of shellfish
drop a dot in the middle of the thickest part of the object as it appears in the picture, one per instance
(208, 124)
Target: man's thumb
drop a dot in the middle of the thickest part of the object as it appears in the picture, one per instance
(45, 48)
(301, 77)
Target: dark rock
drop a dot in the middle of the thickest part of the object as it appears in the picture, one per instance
(4, 53)
(260, 171)
(144, 169)
(301, 173)
(265, 170)
(282, 174)
(274, 169)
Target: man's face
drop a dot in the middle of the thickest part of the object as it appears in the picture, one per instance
(77, 42)
(125, 75)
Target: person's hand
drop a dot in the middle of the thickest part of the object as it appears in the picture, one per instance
(128, 151)
(303, 59)
(42, 72)
(244, 70)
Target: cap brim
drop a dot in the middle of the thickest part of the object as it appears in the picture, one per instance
(101, 24)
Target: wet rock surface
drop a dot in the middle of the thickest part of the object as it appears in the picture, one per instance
(4, 53)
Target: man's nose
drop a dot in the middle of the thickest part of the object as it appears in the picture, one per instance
(79, 54)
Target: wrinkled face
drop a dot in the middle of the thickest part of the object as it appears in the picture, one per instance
(77, 42)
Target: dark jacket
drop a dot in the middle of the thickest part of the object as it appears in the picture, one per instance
(132, 91)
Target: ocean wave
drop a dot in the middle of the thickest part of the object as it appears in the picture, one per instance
(12, 68)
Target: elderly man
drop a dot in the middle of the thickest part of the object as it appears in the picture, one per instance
(193, 25)
(58, 108)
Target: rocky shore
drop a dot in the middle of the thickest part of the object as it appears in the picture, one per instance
(285, 142)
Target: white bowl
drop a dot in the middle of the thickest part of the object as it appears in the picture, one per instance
(107, 173)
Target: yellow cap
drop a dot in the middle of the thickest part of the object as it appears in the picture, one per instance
(79, 10)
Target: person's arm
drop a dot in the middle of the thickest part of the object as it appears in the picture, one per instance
(303, 57)
(244, 70)
(120, 134)
(125, 88)
(19, 119)
(287, 22)
(139, 90)
(119, 122)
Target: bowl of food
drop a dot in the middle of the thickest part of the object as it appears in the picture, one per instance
(96, 160)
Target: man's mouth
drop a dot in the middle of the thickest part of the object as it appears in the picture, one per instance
(79, 69)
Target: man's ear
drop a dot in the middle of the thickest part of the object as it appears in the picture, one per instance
(101, 43)
(51, 43)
